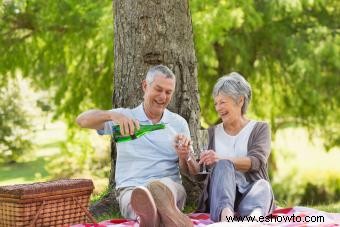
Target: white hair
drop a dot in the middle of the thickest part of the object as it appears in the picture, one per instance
(159, 70)
(236, 86)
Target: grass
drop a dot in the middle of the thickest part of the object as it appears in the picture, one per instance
(26, 172)
(32, 167)
(292, 146)
(333, 207)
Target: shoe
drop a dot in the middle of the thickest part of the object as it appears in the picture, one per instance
(170, 215)
(144, 206)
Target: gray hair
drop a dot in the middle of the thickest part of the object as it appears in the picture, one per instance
(159, 70)
(236, 86)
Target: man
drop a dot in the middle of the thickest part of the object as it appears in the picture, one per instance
(147, 176)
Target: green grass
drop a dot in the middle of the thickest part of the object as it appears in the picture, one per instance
(292, 145)
(32, 168)
(333, 207)
(27, 172)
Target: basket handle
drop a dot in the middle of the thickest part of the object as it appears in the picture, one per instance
(85, 211)
(37, 215)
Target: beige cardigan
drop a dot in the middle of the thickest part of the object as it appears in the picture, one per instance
(258, 152)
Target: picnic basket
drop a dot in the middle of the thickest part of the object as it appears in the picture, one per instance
(54, 203)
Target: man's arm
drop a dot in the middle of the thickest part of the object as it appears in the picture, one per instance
(95, 119)
(188, 165)
(187, 162)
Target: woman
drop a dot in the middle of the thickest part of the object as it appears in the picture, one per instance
(238, 151)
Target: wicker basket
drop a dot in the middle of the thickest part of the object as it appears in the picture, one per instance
(54, 203)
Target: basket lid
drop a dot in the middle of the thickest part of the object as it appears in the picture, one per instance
(20, 190)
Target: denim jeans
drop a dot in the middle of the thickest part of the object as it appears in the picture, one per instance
(223, 192)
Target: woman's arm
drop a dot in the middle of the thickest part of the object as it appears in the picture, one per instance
(259, 146)
(210, 157)
(242, 164)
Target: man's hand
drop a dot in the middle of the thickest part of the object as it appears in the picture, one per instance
(127, 125)
(182, 146)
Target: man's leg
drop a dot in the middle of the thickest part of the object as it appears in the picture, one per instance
(166, 198)
(137, 203)
(177, 190)
(124, 200)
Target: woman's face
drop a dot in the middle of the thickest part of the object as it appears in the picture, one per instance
(227, 109)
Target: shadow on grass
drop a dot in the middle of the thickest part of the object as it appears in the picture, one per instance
(26, 172)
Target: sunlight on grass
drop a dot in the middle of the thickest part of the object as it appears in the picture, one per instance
(293, 153)
(334, 207)
(295, 150)
(26, 172)
(310, 155)
(305, 173)
(48, 140)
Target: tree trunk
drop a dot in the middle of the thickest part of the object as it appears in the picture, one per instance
(147, 33)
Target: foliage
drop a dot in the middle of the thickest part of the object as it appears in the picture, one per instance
(304, 189)
(288, 50)
(14, 124)
(305, 174)
(81, 156)
(64, 46)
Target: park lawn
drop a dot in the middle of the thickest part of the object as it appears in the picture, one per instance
(31, 168)
(24, 172)
(333, 207)
(48, 142)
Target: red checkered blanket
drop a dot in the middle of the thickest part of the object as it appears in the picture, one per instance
(289, 217)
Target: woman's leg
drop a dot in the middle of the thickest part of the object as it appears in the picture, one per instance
(222, 190)
(259, 198)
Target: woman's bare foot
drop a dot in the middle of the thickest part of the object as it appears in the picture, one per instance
(227, 214)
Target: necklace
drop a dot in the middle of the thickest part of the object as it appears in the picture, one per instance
(234, 145)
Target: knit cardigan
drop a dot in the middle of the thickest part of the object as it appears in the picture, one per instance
(258, 152)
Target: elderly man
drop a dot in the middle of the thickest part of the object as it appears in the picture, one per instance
(147, 176)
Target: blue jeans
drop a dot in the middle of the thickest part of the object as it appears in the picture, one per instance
(223, 193)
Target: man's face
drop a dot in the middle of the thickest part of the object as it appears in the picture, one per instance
(157, 95)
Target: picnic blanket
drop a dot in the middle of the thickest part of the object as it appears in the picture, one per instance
(288, 217)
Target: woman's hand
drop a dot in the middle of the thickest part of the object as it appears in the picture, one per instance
(208, 157)
(182, 146)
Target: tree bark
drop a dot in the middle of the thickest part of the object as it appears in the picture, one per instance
(147, 33)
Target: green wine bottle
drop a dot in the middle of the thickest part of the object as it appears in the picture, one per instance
(142, 130)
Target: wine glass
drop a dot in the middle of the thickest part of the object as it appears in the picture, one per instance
(203, 146)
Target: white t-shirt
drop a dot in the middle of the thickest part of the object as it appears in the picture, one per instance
(227, 146)
(151, 156)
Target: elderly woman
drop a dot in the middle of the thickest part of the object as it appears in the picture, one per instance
(238, 153)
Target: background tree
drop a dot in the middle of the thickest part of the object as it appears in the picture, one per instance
(148, 33)
(288, 50)
(62, 46)
(15, 124)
